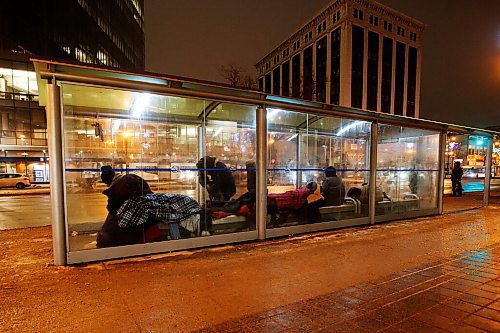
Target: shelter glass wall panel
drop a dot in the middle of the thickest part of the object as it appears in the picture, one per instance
(300, 147)
(176, 163)
(407, 169)
(465, 171)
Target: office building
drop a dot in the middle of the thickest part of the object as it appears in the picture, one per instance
(107, 33)
(353, 53)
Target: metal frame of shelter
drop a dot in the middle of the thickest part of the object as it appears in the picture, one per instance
(51, 74)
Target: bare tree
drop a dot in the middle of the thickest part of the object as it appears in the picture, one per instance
(236, 76)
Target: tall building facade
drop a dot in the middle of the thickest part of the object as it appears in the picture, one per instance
(353, 53)
(109, 33)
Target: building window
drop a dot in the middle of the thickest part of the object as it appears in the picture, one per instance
(358, 13)
(296, 76)
(276, 59)
(412, 82)
(321, 59)
(388, 26)
(400, 78)
(321, 27)
(308, 74)
(358, 43)
(286, 52)
(335, 70)
(285, 78)
(296, 45)
(401, 32)
(336, 16)
(413, 36)
(308, 37)
(373, 20)
(261, 84)
(386, 97)
(372, 71)
(276, 81)
(267, 87)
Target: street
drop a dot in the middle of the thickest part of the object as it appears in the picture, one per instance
(24, 211)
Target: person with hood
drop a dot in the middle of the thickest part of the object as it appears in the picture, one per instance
(333, 188)
(120, 189)
(216, 178)
(456, 179)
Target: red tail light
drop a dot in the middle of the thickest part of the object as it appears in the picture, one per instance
(26, 178)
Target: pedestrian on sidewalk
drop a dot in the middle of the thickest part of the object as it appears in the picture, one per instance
(456, 179)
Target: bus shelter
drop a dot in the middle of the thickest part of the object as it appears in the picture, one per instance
(185, 137)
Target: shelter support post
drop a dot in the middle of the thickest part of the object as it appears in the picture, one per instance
(373, 171)
(54, 142)
(487, 172)
(442, 161)
(261, 165)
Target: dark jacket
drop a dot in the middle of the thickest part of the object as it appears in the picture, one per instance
(122, 188)
(333, 191)
(456, 174)
(219, 181)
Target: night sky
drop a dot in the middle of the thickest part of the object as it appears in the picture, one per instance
(461, 55)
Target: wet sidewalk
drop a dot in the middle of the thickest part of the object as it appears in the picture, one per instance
(458, 294)
(423, 275)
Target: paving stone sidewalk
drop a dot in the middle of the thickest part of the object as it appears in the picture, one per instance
(458, 294)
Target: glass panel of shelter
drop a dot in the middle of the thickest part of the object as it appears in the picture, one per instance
(407, 169)
(169, 142)
(465, 170)
(318, 168)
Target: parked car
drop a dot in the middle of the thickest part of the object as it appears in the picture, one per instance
(14, 180)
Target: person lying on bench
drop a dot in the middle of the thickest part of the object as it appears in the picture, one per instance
(362, 194)
(304, 202)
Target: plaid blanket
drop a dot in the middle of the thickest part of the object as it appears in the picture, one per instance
(162, 207)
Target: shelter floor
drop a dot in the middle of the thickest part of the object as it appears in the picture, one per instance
(423, 275)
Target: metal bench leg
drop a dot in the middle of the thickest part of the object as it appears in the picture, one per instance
(174, 231)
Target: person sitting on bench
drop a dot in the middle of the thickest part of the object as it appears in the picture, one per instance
(216, 178)
(333, 188)
(120, 189)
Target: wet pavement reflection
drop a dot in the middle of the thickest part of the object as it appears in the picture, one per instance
(458, 294)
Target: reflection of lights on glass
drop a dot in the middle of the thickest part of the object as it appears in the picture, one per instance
(140, 104)
(272, 112)
(127, 134)
(218, 131)
(292, 137)
(453, 138)
(349, 127)
(271, 141)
